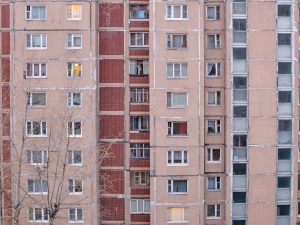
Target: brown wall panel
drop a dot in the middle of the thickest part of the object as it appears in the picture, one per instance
(111, 42)
(5, 16)
(111, 99)
(111, 71)
(111, 126)
(115, 155)
(111, 15)
(113, 208)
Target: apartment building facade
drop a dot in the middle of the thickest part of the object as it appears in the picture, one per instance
(150, 112)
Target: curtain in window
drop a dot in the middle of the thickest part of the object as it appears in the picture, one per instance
(182, 128)
(180, 186)
(211, 183)
(211, 69)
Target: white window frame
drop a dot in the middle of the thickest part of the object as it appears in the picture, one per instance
(216, 102)
(71, 154)
(137, 177)
(139, 150)
(34, 215)
(171, 134)
(217, 126)
(28, 12)
(215, 12)
(29, 97)
(76, 215)
(135, 45)
(210, 153)
(70, 99)
(171, 95)
(30, 71)
(217, 211)
(73, 16)
(217, 41)
(137, 66)
(139, 95)
(41, 124)
(217, 65)
(170, 39)
(71, 132)
(171, 158)
(71, 41)
(141, 206)
(171, 185)
(72, 70)
(183, 215)
(170, 12)
(139, 121)
(44, 158)
(177, 67)
(217, 183)
(41, 36)
(72, 186)
(34, 181)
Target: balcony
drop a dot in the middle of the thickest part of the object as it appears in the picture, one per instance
(239, 37)
(239, 182)
(284, 166)
(284, 81)
(284, 137)
(283, 220)
(284, 109)
(239, 66)
(284, 23)
(284, 51)
(239, 153)
(239, 210)
(239, 96)
(283, 194)
(240, 124)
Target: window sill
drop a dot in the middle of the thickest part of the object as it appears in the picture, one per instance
(38, 221)
(138, 75)
(38, 164)
(214, 190)
(75, 136)
(138, 213)
(179, 48)
(29, 19)
(177, 136)
(41, 136)
(37, 49)
(36, 77)
(177, 221)
(74, 193)
(79, 221)
(211, 76)
(180, 165)
(138, 131)
(177, 78)
(176, 19)
(212, 20)
(37, 106)
(142, 47)
(214, 162)
(139, 103)
(140, 159)
(75, 19)
(214, 134)
(73, 107)
(138, 19)
(170, 107)
(178, 193)
(75, 165)
(213, 218)
(219, 48)
(38, 193)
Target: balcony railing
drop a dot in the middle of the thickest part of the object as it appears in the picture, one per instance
(239, 8)
(284, 80)
(284, 23)
(284, 109)
(239, 95)
(283, 194)
(240, 66)
(284, 137)
(284, 166)
(239, 37)
(239, 153)
(240, 124)
(284, 51)
(239, 182)
(239, 210)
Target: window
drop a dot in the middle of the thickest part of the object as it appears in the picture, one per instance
(139, 123)
(213, 211)
(284, 154)
(240, 140)
(140, 150)
(239, 197)
(284, 125)
(284, 67)
(176, 41)
(177, 215)
(36, 99)
(74, 70)
(74, 129)
(213, 69)
(238, 222)
(75, 186)
(74, 158)
(140, 178)
(283, 210)
(76, 215)
(177, 158)
(36, 70)
(239, 82)
(177, 186)
(213, 155)
(240, 53)
(138, 67)
(239, 24)
(177, 70)
(139, 95)
(176, 100)
(139, 206)
(213, 12)
(74, 41)
(213, 41)
(239, 111)
(213, 183)
(74, 12)
(74, 99)
(140, 12)
(139, 39)
(284, 96)
(298, 154)
(177, 12)
(298, 182)
(36, 41)
(283, 182)
(177, 128)
(213, 98)
(37, 186)
(38, 158)
(298, 209)
(38, 215)
(284, 39)
(36, 128)
(239, 169)
(35, 12)
(213, 126)
(284, 10)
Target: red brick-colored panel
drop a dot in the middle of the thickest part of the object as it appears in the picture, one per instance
(5, 124)
(112, 208)
(111, 15)
(6, 179)
(139, 163)
(140, 191)
(5, 16)
(139, 79)
(5, 97)
(111, 182)
(140, 217)
(140, 136)
(111, 99)
(111, 71)
(5, 43)
(5, 73)
(7, 204)
(111, 42)
(138, 52)
(112, 155)
(6, 151)
(139, 108)
(139, 24)
(111, 127)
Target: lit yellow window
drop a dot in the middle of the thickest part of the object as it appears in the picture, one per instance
(74, 70)
(74, 12)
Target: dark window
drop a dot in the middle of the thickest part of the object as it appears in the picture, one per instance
(284, 39)
(283, 182)
(239, 197)
(284, 10)
(240, 111)
(238, 222)
(240, 82)
(285, 125)
(284, 68)
(284, 154)
(283, 210)
(239, 24)
(177, 128)
(239, 53)
(239, 140)
(239, 169)
(284, 96)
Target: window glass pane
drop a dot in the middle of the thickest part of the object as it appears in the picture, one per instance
(284, 10)
(240, 111)
(284, 39)
(284, 96)
(284, 125)
(284, 182)
(239, 169)
(239, 197)
(240, 82)
(284, 67)
(284, 154)
(239, 53)
(283, 210)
